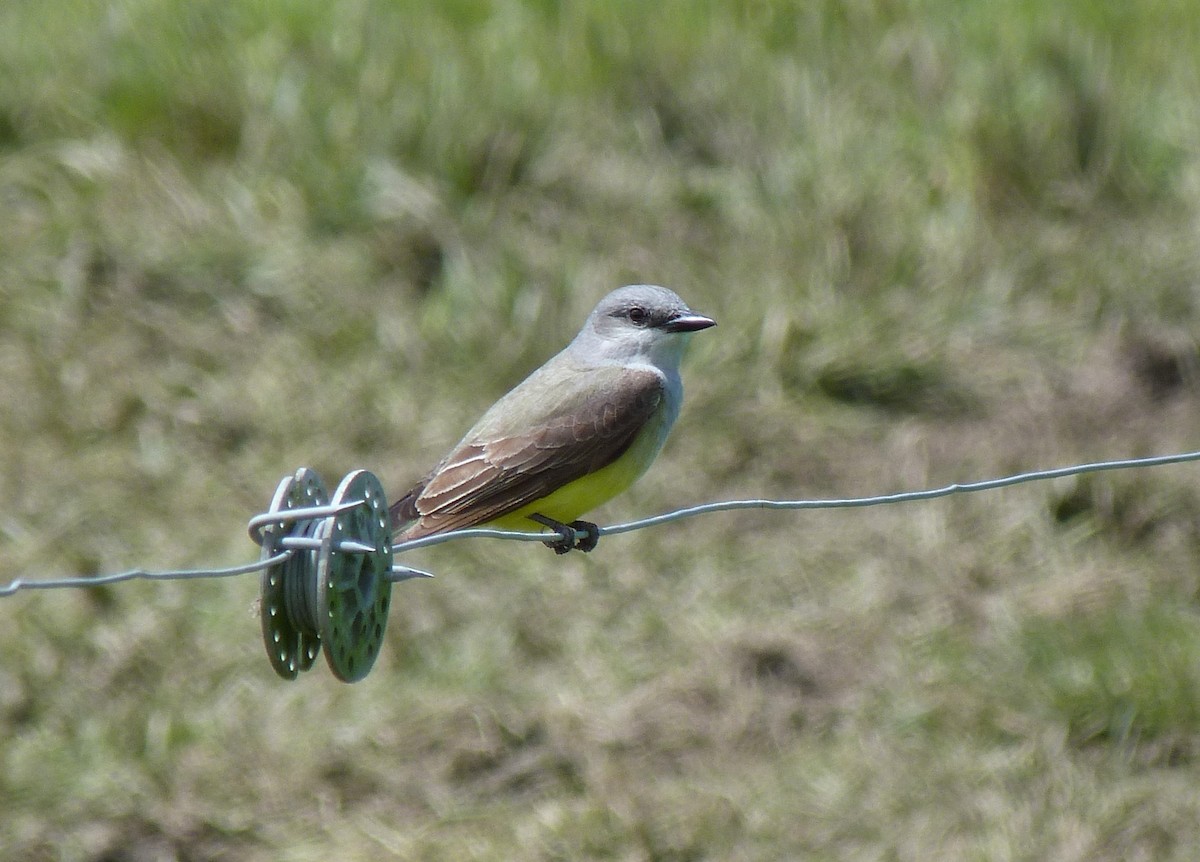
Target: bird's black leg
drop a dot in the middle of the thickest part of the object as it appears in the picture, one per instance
(565, 540)
(588, 542)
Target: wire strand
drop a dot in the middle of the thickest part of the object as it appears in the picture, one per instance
(141, 574)
(845, 503)
(630, 526)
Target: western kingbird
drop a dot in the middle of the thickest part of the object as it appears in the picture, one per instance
(574, 434)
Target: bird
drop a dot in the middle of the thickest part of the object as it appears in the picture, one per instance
(573, 434)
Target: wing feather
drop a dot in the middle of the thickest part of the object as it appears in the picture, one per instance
(584, 423)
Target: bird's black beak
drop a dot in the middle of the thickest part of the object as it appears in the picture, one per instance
(689, 323)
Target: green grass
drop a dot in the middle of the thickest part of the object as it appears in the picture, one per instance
(944, 241)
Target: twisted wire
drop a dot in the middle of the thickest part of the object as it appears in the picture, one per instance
(299, 545)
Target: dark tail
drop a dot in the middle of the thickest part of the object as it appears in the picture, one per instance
(404, 511)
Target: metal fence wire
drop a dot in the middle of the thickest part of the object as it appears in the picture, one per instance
(327, 561)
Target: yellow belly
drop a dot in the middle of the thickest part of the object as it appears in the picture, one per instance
(586, 493)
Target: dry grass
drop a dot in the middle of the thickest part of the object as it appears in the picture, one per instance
(942, 244)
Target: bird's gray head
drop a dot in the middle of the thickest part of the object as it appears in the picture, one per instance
(641, 323)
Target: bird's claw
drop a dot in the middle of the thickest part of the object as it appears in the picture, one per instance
(566, 540)
(587, 543)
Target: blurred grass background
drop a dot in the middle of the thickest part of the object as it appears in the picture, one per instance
(944, 241)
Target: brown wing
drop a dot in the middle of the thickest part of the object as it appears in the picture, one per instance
(496, 470)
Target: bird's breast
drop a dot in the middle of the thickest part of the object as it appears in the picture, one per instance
(587, 492)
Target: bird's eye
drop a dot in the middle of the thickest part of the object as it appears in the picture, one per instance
(638, 315)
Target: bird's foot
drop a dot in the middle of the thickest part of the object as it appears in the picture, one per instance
(566, 540)
(587, 543)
